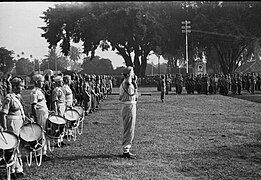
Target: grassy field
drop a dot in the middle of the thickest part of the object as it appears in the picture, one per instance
(186, 137)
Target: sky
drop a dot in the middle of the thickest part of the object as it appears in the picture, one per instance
(20, 32)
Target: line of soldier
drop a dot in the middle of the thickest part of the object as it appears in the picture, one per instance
(88, 90)
(214, 83)
(62, 90)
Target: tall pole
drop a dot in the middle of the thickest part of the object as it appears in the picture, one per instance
(186, 29)
(159, 64)
(151, 67)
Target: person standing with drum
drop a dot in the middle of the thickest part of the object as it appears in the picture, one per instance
(12, 119)
(39, 107)
(58, 99)
(67, 91)
(128, 97)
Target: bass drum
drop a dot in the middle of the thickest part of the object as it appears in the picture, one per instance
(31, 136)
(80, 110)
(8, 147)
(72, 116)
(55, 126)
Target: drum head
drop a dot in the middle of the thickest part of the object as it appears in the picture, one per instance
(30, 132)
(8, 140)
(79, 109)
(57, 119)
(71, 115)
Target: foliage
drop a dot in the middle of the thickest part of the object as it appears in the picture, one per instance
(135, 29)
(224, 27)
(97, 66)
(74, 54)
(6, 60)
(23, 66)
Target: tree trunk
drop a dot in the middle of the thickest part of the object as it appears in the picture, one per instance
(126, 57)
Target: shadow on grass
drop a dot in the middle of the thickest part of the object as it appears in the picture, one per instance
(248, 97)
(225, 162)
(99, 156)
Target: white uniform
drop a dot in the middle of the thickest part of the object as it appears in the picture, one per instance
(128, 113)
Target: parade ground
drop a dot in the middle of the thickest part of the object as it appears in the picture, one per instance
(201, 137)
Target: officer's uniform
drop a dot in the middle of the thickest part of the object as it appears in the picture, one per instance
(128, 97)
(13, 110)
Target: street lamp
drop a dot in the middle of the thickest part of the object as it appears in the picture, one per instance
(186, 29)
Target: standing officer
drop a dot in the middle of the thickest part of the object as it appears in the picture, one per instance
(12, 118)
(39, 107)
(128, 98)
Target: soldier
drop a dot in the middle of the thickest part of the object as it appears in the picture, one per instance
(128, 111)
(234, 84)
(12, 119)
(8, 84)
(47, 88)
(39, 108)
(168, 84)
(58, 96)
(67, 91)
(162, 88)
(179, 83)
(239, 84)
(252, 80)
(87, 95)
(58, 100)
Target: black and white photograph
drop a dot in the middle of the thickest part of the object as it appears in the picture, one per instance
(130, 90)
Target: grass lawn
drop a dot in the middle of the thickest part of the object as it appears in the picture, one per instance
(186, 137)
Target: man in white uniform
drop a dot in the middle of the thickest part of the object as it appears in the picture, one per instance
(39, 107)
(128, 97)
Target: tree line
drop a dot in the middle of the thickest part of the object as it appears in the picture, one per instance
(226, 32)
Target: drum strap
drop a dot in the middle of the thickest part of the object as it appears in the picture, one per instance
(17, 100)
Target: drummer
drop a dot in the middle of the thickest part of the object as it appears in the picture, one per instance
(39, 107)
(67, 91)
(58, 99)
(12, 118)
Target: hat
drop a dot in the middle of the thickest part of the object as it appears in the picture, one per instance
(127, 70)
(38, 77)
(58, 79)
(16, 81)
(67, 77)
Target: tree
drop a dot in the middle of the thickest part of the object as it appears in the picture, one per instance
(23, 66)
(225, 27)
(97, 66)
(74, 53)
(137, 31)
(6, 60)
